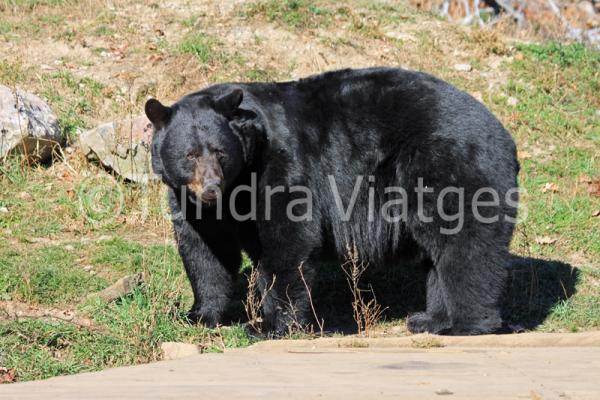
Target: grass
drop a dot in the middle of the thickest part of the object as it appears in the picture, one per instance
(294, 13)
(556, 119)
(200, 45)
(556, 87)
(125, 332)
(72, 228)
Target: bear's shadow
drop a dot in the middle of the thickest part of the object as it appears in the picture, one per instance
(534, 287)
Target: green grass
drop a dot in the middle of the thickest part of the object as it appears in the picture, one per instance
(555, 121)
(44, 276)
(294, 13)
(72, 98)
(261, 75)
(557, 90)
(127, 331)
(104, 30)
(11, 73)
(33, 3)
(202, 46)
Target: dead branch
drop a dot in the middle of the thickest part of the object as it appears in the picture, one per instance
(294, 325)
(254, 302)
(120, 288)
(320, 322)
(366, 313)
(12, 310)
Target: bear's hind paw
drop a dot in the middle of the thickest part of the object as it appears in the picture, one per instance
(422, 322)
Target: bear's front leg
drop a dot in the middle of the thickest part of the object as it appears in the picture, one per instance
(210, 266)
(286, 302)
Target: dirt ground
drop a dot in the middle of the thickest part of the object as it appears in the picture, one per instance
(459, 368)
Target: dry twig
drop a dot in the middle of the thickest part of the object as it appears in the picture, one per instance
(366, 313)
(320, 322)
(254, 301)
(12, 310)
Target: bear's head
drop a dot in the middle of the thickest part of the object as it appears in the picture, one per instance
(199, 143)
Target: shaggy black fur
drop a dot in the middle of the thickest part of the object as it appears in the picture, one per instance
(395, 125)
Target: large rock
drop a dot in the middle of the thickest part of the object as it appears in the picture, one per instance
(123, 146)
(27, 125)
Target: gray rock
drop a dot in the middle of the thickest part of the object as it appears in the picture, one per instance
(123, 146)
(175, 350)
(27, 125)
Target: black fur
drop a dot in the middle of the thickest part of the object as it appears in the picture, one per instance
(395, 125)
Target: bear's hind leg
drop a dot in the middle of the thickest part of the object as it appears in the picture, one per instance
(471, 281)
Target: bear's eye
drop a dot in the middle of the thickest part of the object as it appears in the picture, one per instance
(220, 155)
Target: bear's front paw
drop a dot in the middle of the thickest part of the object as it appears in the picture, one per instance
(419, 323)
(195, 316)
(422, 322)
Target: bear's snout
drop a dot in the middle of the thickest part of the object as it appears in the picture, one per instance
(207, 181)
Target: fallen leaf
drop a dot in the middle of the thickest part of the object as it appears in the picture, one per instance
(534, 395)
(550, 187)
(584, 179)
(522, 155)
(546, 240)
(66, 176)
(119, 52)
(7, 375)
(153, 58)
(596, 213)
(594, 188)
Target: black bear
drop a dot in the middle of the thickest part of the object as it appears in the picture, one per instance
(292, 173)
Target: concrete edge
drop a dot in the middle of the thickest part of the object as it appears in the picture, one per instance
(424, 341)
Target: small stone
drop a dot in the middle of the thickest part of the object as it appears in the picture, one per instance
(463, 67)
(69, 247)
(3, 210)
(512, 101)
(88, 268)
(175, 350)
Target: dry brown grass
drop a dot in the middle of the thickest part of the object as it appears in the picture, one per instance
(367, 312)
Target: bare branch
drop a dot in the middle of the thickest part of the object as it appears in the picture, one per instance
(320, 322)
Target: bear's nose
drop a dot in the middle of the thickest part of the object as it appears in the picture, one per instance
(212, 189)
(214, 183)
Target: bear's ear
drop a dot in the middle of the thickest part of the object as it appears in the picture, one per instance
(229, 103)
(157, 113)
